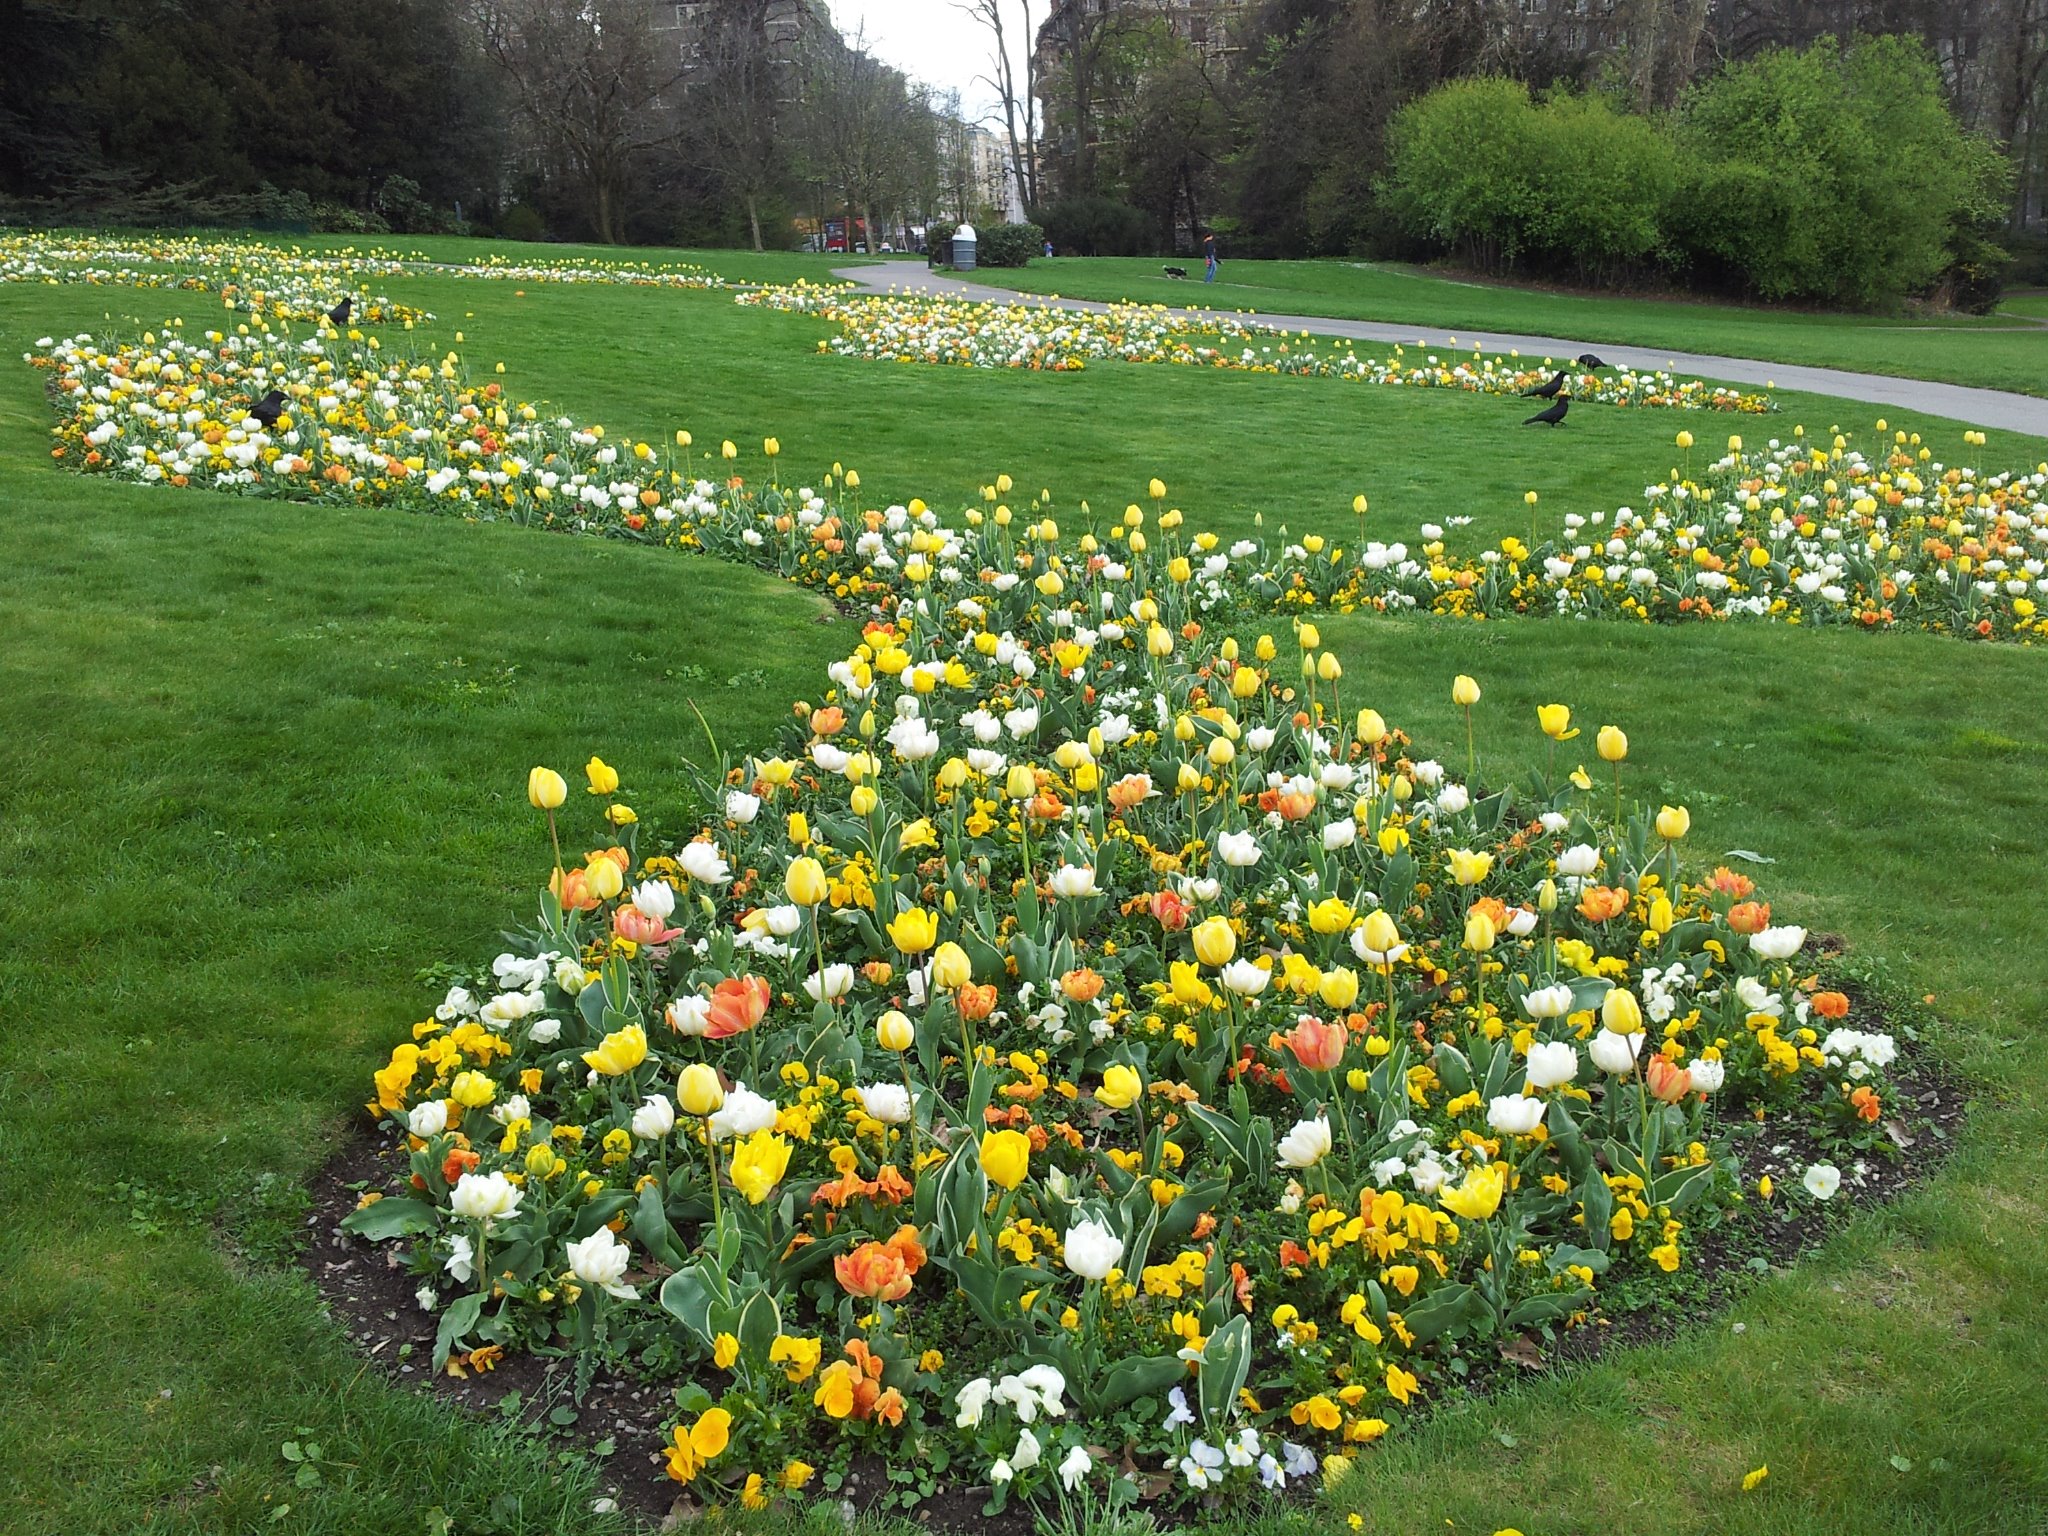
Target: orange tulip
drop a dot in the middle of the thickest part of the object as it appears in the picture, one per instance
(1831, 1005)
(975, 1002)
(1081, 985)
(1667, 1081)
(1601, 902)
(1750, 916)
(1169, 910)
(737, 1004)
(1316, 1045)
(881, 1271)
(829, 721)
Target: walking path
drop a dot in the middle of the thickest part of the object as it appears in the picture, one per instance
(1979, 407)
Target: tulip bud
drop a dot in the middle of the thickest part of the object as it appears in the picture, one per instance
(1214, 941)
(1479, 932)
(1620, 1012)
(1021, 783)
(546, 789)
(1464, 692)
(805, 883)
(1372, 730)
(698, 1090)
(863, 800)
(1673, 822)
(1612, 743)
(1328, 668)
(893, 1031)
(951, 969)
(1309, 636)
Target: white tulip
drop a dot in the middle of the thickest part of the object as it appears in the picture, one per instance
(1240, 850)
(655, 899)
(1778, 943)
(1513, 1115)
(1074, 881)
(1707, 1076)
(701, 861)
(743, 1113)
(1548, 1002)
(1245, 978)
(1552, 1063)
(601, 1260)
(1306, 1145)
(741, 806)
(690, 1014)
(1581, 859)
(1614, 1053)
(1338, 835)
(428, 1119)
(1092, 1250)
(655, 1118)
(484, 1197)
(886, 1102)
(830, 985)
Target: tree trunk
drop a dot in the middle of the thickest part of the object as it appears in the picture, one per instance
(754, 218)
(867, 228)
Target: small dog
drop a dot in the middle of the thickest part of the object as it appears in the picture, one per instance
(1178, 273)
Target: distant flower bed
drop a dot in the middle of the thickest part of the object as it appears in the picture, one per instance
(1794, 531)
(920, 329)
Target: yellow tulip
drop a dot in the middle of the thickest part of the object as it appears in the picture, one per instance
(1021, 783)
(698, 1090)
(1006, 1157)
(1469, 868)
(1381, 935)
(1339, 988)
(1555, 721)
(1612, 743)
(472, 1090)
(951, 969)
(1372, 730)
(805, 883)
(758, 1164)
(1621, 1013)
(619, 1052)
(863, 800)
(914, 931)
(1673, 822)
(1333, 914)
(1328, 668)
(1478, 1197)
(1309, 636)
(603, 879)
(604, 779)
(1156, 489)
(1479, 932)
(1214, 941)
(894, 1032)
(1464, 691)
(546, 789)
(1120, 1088)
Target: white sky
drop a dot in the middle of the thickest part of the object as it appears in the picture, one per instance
(935, 42)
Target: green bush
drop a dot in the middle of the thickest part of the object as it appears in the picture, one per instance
(1009, 245)
(1834, 173)
(522, 221)
(1567, 184)
(1090, 225)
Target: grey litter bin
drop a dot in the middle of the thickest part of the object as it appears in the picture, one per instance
(963, 248)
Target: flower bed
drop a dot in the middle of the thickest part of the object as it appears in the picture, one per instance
(922, 329)
(1793, 531)
(1091, 1053)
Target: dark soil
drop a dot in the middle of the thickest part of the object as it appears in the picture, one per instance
(371, 1295)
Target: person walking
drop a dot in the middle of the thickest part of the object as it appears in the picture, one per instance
(1211, 262)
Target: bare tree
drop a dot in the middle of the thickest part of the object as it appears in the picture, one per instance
(739, 85)
(591, 81)
(863, 127)
(1024, 150)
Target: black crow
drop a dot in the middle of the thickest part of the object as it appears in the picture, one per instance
(339, 314)
(1554, 415)
(1589, 360)
(268, 409)
(1546, 391)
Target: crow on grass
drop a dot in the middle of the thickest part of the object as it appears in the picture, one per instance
(1552, 417)
(1546, 391)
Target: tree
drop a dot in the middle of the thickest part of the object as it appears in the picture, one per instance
(738, 88)
(588, 78)
(1016, 104)
(866, 131)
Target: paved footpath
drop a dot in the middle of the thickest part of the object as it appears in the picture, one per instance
(1979, 407)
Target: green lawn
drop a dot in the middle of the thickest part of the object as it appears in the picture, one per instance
(1958, 351)
(260, 764)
